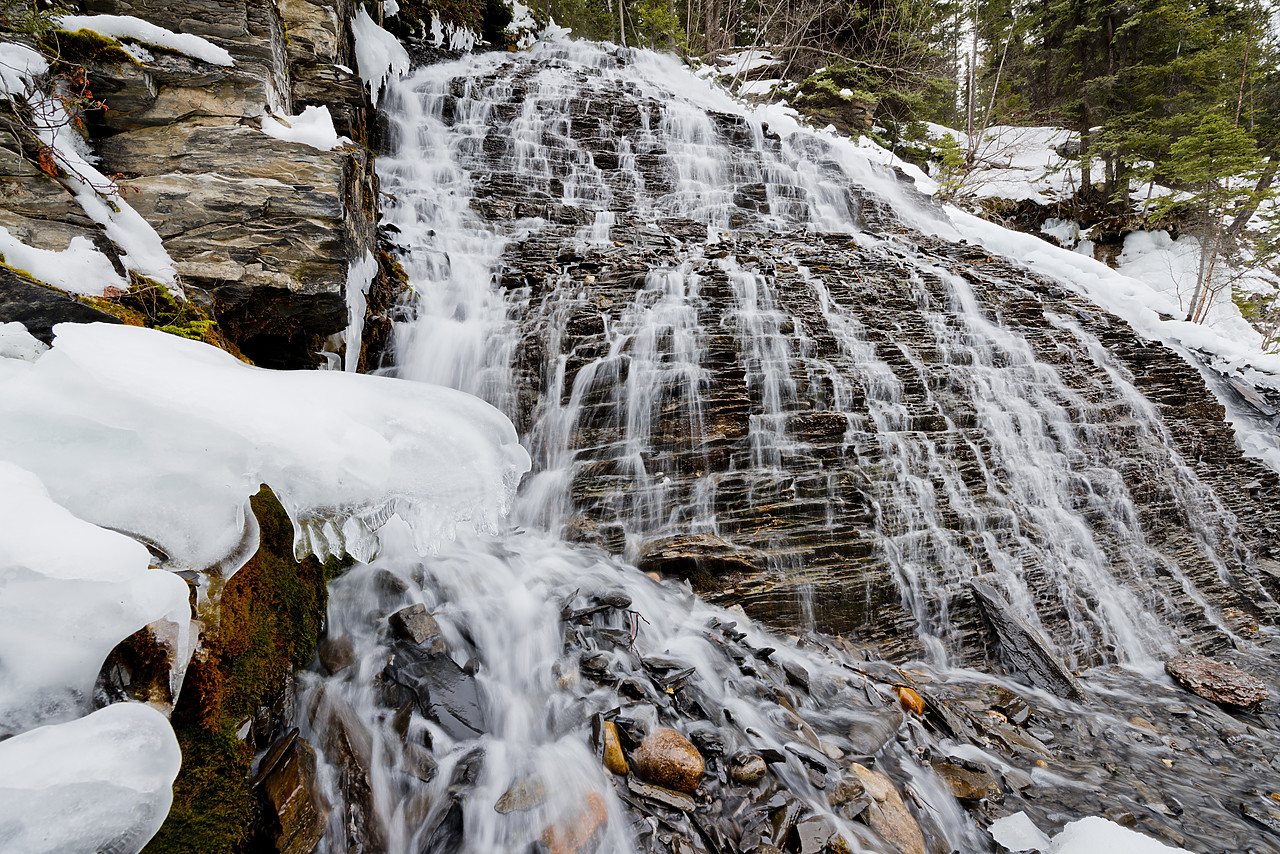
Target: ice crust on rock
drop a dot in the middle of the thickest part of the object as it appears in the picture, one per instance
(69, 592)
(180, 434)
(1090, 835)
(100, 783)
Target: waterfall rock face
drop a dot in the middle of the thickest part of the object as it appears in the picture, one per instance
(737, 363)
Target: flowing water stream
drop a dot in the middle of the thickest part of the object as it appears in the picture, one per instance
(723, 335)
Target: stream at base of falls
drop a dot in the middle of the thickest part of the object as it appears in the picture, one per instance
(750, 362)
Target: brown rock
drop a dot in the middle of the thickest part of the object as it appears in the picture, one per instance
(577, 833)
(965, 784)
(669, 759)
(336, 654)
(1219, 681)
(747, 768)
(614, 760)
(887, 814)
(909, 699)
(290, 788)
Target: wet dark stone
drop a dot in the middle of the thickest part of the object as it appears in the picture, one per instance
(39, 307)
(444, 692)
(415, 625)
(336, 654)
(448, 834)
(662, 795)
(1023, 648)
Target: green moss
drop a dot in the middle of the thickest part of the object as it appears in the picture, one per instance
(85, 47)
(146, 661)
(268, 622)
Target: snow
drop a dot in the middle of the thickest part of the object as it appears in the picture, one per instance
(19, 66)
(390, 8)
(1018, 833)
(758, 87)
(100, 783)
(79, 269)
(740, 62)
(129, 27)
(17, 343)
(69, 592)
(180, 434)
(313, 127)
(451, 36)
(379, 55)
(359, 276)
(523, 29)
(1091, 835)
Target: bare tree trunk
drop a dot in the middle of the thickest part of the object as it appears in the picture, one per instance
(1251, 207)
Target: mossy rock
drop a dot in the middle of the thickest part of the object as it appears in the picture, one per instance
(85, 47)
(267, 623)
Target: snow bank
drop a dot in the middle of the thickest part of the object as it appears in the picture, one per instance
(69, 592)
(17, 343)
(78, 269)
(379, 55)
(1092, 835)
(101, 783)
(313, 127)
(180, 434)
(129, 27)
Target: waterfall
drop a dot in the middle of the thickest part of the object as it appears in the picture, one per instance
(725, 334)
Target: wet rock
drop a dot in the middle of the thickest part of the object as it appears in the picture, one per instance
(848, 798)
(818, 834)
(614, 759)
(874, 731)
(288, 782)
(909, 699)
(336, 654)
(662, 795)
(448, 834)
(700, 558)
(577, 834)
(1024, 649)
(669, 759)
(784, 810)
(419, 762)
(442, 690)
(523, 796)
(967, 784)
(1218, 681)
(38, 306)
(415, 625)
(887, 814)
(747, 768)
(1267, 816)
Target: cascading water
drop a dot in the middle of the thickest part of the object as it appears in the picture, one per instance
(720, 345)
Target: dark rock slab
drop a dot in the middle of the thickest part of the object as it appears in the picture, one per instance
(39, 307)
(442, 690)
(1024, 649)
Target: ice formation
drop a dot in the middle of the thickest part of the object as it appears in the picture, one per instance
(379, 55)
(100, 783)
(180, 434)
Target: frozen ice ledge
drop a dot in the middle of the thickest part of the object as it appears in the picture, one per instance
(120, 437)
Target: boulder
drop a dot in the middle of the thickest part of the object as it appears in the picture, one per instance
(614, 759)
(887, 814)
(669, 759)
(415, 625)
(442, 690)
(336, 654)
(1219, 681)
(578, 832)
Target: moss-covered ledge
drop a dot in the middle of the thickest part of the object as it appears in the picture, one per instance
(267, 623)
